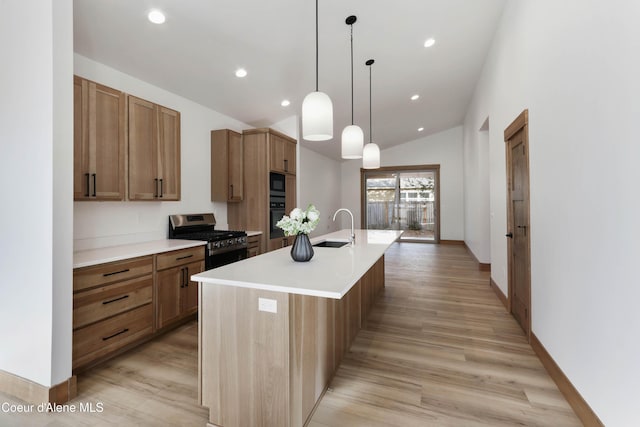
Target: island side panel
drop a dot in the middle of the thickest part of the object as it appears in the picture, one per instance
(372, 284)
(312, 353)
(245, 357)
(322, 331)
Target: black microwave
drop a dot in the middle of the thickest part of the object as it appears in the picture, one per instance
(276, 184)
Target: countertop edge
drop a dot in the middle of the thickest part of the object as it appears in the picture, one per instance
(335, 293)
(91, 257)
(266, 287)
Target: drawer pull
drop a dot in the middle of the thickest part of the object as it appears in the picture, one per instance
(116, 334)
(116, 299)
(184, 257)
(115, 272)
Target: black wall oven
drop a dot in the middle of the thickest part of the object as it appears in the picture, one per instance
(276, 212)
(276, 203)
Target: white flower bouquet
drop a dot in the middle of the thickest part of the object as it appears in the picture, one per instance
(299, 221)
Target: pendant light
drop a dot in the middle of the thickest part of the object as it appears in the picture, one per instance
(317, 109)
(352, 136)
(371, 151)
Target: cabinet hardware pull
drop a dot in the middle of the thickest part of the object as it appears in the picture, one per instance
(184, 257)
(116, 334)
(155, 187)
(115, 272)
(286, 165)
(115, 299)
(94, 184)
(182, 277)
(231, 191)
(88, 185)
(161, 189)
(186, 277)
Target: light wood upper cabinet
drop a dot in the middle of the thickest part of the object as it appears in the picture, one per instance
(169, 153)
(154, 151)
(99, 141)
(282, 154)
(227, 171)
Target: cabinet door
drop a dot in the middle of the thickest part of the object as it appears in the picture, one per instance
(99, 126)
(168, 154)
(189, 301)
(235, 167)
(169, 290)
(143, 166)
(290, 157)
(81, 173)
(276, 151)
(106, 141)
(290, 193)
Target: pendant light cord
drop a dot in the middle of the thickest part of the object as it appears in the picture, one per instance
(370, 115)
(316, 45)
(351, 74)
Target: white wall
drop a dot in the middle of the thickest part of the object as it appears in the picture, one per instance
(574, 65)
(445, 149)
(477, 225)
(36, 138)
(319, 183)
(99, 224)
(62, 190)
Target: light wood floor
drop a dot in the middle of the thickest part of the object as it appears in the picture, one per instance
(438, 350)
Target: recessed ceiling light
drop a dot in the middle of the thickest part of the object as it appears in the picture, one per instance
(429, 42)
(420, 129)
(285, 103)
(156, 17)
(241, 72)
(414, 97)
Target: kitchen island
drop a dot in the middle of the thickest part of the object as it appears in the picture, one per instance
(273, 331)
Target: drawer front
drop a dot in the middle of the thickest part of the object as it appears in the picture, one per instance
(97, 304)
(111, 334)
(253, 240)
(98, 275)
(181, 257)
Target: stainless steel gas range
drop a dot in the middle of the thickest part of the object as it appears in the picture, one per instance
(223, 246)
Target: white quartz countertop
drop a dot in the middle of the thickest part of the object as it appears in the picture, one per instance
(330, 273)
(118, 253)
(253, 233)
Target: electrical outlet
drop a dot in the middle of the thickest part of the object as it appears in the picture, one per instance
(269, 305)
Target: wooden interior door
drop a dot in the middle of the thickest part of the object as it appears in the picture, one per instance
(519, 233)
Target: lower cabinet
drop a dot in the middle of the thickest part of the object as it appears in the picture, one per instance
(119, 304)
(112, 308)
(177, 295)
(280, 242)
(253, 245)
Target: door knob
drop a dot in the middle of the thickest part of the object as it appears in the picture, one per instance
(509, 235)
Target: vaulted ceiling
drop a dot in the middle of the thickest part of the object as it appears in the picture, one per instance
(196, 52)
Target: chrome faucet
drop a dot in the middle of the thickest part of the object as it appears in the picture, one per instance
(352, 239)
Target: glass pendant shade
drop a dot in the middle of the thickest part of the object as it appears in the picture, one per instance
(371, 156)
(352, 142)
(317, 117)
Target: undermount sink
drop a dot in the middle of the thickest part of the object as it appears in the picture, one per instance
(331, 244)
